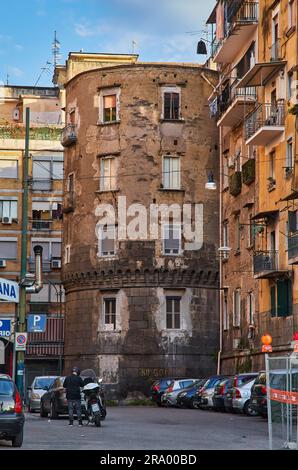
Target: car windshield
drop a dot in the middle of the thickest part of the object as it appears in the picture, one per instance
(6, 388)
(243, 379)
(41, 383)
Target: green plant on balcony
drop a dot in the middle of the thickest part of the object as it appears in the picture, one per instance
(235, 183)
(249, 172)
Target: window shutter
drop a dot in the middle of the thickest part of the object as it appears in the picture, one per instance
(273, 304)
(282, 298)
(292, 221)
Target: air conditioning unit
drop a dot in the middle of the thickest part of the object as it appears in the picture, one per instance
(7, 220)
(56, 264)
(2, 263)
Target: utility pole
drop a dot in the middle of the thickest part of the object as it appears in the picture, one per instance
(22, 306)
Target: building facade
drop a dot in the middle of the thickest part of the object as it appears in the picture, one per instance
(45, 351)
(139, 307)
(255, 48)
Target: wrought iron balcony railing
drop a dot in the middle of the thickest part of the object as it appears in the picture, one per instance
(293, 246)
(263, 116)
(232, 93)
(265, 261)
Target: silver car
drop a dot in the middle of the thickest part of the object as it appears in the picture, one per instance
(169, 398)
(38, 388)
(241, 399)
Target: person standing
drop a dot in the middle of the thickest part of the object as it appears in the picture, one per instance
(73, 384)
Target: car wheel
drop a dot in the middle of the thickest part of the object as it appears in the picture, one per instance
(53, 412)
(248, 410)
(43, 413)
(17, 441)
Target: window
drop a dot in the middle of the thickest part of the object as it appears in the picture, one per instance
(272, 166)
(237, 233)
(289, 155)
(293, 222)
(290, 85)
(172, 239)
(107, 241)
(171, 172)
(9, 169)
(44, 171)
(108, 178)
(109, 105)
(49, 293)
(282, 298)
(8, 248)
(171, 103)
(9, 209)
(251, 308)
(110, 313)
(225, 313)
(110, 108)
(67, 255)
(52, 249)
(173, 312)
(225, 176)
(225, 239)
(237, 308)
(291, 14)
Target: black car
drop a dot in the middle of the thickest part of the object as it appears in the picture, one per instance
(258, 400)
(54, 402)
(12, 418)
(203, 396)
(220, 392)
(185, 397)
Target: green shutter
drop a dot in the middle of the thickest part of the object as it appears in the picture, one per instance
(273, 301)
(292, 221)
(284, 298)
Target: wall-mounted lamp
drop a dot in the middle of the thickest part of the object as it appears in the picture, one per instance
(211, 184)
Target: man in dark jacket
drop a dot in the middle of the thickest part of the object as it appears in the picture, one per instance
(73, 385)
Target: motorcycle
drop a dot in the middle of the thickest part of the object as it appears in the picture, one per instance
(94, 398)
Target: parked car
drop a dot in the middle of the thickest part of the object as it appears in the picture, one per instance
(38, 388)
(169, 398)
(258, 400)
(54, 402)
(12, 418)
(203, 397)
(158, 388)
(220, 391)
(238, 381)
(240, 398)
(185, 397)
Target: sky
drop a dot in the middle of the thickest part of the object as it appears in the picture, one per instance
(160, 29)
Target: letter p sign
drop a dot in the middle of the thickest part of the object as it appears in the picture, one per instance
(37, 323)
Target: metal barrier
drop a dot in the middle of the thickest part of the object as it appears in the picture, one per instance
(282, 401)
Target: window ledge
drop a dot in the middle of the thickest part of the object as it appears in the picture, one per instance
(173, 120)
(181, 190)
(107, 191)
(109, 331)
(111, 123)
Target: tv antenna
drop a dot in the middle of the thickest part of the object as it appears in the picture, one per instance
(56, 46)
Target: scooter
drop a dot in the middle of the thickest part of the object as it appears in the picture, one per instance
(94, 399)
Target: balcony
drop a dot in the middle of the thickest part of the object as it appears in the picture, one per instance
(235, 183)
(69, 136)
(276, 51)
(69, 202)
(242, 21)
(293, 249)
(42, 225)
(249, 171)
(232, 104)
(265, 123)
(266, 265)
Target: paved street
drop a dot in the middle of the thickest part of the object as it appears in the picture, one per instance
(138, 428)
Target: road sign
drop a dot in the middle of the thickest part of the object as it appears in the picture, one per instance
(267, 348)
(5, 328)
(9, 291)
(21, 341)
(37, 323)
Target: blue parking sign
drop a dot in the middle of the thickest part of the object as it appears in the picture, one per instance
(5, 328)
(37, 323)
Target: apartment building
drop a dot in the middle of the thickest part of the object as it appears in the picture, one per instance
(45, 351)
(255, 48)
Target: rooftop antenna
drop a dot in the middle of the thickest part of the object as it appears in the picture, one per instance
(56, 50)
(134, 44)
(7, 79)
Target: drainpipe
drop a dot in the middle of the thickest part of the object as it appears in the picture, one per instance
(38, 285)
(220, 260)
